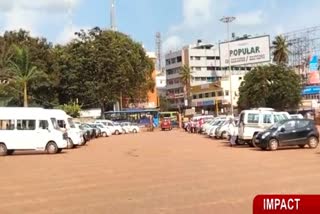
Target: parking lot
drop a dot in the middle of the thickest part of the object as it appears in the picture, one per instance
(153, 172)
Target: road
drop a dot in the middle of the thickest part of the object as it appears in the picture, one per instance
(153, 173)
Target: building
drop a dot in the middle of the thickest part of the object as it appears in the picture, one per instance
(204, 62)
(161, 84)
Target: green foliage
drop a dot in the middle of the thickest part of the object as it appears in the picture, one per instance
(72, 109)
(164, 103)
(281, 50)
(186, 75)
(274, 86)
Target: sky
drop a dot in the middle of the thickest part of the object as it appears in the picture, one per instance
(180, 22)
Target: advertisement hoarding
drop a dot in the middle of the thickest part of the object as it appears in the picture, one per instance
(248, 51)
(313, 76)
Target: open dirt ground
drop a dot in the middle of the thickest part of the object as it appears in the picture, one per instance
(153, 173)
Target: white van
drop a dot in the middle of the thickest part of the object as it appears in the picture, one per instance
(65, 123)
(257, 120)
(114, 128)
(29, 129)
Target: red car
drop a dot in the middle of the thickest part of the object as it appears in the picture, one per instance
(166, 124)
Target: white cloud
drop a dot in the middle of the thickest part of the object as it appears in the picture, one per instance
(172, 43)
(250, 18)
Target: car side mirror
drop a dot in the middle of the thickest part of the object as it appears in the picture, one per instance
(282, 129)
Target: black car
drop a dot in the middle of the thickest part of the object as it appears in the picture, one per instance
(293, 132)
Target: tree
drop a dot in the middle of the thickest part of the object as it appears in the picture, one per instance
(99, 66)
(274, 86)
(186, 75)
(22, 72)
(72, 109)
(281, 51)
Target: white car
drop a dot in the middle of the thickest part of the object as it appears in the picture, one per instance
(296, 116)
(115, 129)
(124, 128)
(132, 128)
(215, 126)
(105, 131)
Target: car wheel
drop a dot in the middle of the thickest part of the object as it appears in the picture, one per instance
(3, 149)
(117, 132)
(273, 144)
(224, 135)
(250, 143)
(52, 148)
(104, 134)
(59, 150)
(70, 144)
(302, 146)
(135, 131)
(239, 142)
(313, 142)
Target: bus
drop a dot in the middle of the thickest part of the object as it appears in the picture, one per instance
(138, 116)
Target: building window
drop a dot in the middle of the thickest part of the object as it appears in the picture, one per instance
(179, 59)
(198, 68)
(227, 93)
(203, 79)
(211, 57)
(194, 97)
(200, 96)
(191, 57)
(173, 60)
(167, 61)
(206, 95)
(220, 94)
(198, 79)
(217, 57)
(210, 68)
(198, 58)
(213, 94)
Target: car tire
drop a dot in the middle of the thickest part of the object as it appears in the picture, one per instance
(52, 148)
(104, 134)
(59, 150)
(273, 144)
(3, 149)
(302, 146)
(135, 131)
(223, 135)
(117, 132)
(313, 142)
(70, 144)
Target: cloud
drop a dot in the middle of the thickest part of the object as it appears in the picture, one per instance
(172, 43)
(250, 18)
(33, 15)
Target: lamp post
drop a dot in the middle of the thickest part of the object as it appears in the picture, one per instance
(228, 20)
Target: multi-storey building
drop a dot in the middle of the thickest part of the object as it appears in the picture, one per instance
(204, 62)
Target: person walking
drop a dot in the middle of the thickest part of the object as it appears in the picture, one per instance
(232, 131)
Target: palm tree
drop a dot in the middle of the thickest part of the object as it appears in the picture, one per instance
(22, 72)
(186, 75)
(281, 51)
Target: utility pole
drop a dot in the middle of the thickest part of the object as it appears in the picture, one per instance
(228, 20)
(113, 15)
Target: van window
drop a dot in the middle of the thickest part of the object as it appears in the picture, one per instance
(61, 123)
(54, 123)
(26, 124)
(253, 118)
(7, 124)
(267, 118)
(277, 118)
(43, 124)
(71, 123)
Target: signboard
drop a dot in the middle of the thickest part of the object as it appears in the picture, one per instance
(203, 103)
(311, 90)
(313, 77)
(248, 51)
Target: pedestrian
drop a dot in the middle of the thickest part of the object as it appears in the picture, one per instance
(232, 131)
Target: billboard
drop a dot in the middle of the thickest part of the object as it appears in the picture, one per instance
(313, 76)
(248, 51)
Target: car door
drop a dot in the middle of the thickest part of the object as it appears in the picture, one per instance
(288, 136)
(303, 129)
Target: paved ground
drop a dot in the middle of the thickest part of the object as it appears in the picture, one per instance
(153, 173)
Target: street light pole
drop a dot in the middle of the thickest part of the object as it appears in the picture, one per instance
(228, 20)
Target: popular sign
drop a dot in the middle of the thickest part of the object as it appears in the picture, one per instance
(248, 51)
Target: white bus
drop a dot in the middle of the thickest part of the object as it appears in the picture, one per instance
(29, 129)
(65, 123)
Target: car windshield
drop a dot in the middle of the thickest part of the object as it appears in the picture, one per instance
(71, 123)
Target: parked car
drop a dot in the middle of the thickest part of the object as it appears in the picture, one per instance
(292, 132)
(91, 130)
(115, 129)
(132, 127)
(296, 116)
(215, 126)
(166, 124)
(84, 132)
(98, 132)
(105, 131)
(222, 132)
(125, 129)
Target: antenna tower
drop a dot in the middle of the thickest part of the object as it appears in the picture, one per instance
(159, 51)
